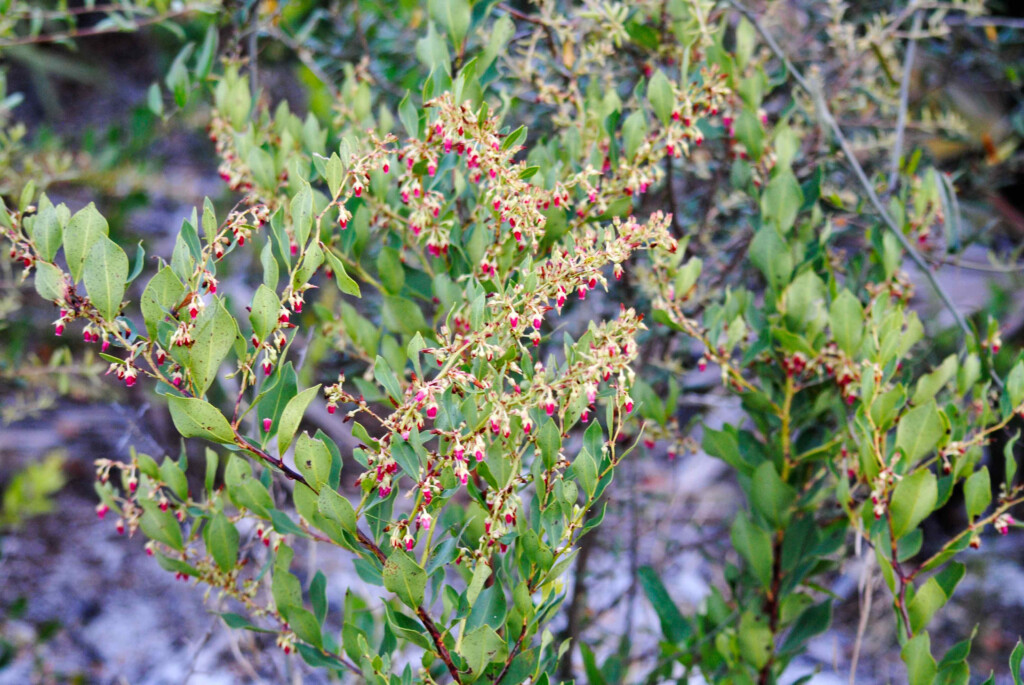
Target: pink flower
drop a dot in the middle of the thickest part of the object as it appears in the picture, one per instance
(267, 423)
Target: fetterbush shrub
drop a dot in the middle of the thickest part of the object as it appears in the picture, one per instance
(486, 433)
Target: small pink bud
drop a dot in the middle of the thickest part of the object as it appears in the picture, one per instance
(58, 329)
(294, 248)
(537, 321)
(120, 527)
(283, 318)
(129, 381)
(386, 168)
(549, 408)
(267, 367)
(267, 423)
(193, 311)
(432, 412)
(358, 190)
(479, 454)
(585, 416)
(513, 320)
(331, 408)
(106, 345)
(628, 405)
(101, 510)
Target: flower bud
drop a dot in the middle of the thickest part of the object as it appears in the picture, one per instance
(267, 423)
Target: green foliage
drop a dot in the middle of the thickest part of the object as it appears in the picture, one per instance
(436, 265)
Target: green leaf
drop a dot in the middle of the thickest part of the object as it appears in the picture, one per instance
(49, 282)
(977, 493)
(913, 499)
(312, 258)
(345, 283)
(105, 272)
(301, 209)
(753, 544)
(663, 99)
(917, 655)
(390, 269)
(264, 312)
(160, 525)
(771, 255)
(313, 460)
(221, 538)
(402, 315)
(781, 200)
(919, 431)
(163, 292)
(195, 418)
(673, 626)
(455, 15)
(177, 76)
(335, 174)
(405, 578)
(814, 620)
(45, 230)
(755, 639)
(291, 417)
(846, 318)
(305, 625)
(1015, 659)
(271, 270)
(174, 477)
(212, 460)
(337, 508)
(409, 116)
(1015, 384)
(770, 496)
(501, 32)
(550, 442)
(634, 129)
(480, 575)
(318, 596)
(931, 383)
(237, 621)
(207, 52)
(1010, 460)
(584, 467)
(481, 647)
(214, 336)
(155, 99)
(931, 596)
(383, 374)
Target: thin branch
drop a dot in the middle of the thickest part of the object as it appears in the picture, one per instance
(826, 115)
(428, 623)
(94, 31)
(901, 121)
(999, 22)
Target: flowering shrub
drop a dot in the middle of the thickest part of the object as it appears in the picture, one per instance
(486, 434)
